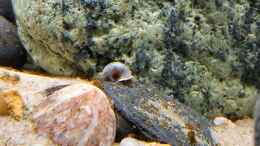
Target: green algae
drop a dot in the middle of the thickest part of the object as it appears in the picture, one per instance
(205, 53)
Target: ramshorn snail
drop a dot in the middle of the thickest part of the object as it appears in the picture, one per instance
(117, 72)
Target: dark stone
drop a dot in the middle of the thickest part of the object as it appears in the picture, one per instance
(12, 52)
(139, 104)
(257, 123)
(6, 10)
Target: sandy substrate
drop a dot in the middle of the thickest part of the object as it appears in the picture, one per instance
(240, 133)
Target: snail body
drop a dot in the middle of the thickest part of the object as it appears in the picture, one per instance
(117, 72)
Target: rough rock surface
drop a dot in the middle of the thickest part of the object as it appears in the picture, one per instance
(12, 52)
(53, 111)
(205, 52)
(158, 117)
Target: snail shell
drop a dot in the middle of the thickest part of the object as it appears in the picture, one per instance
(117, 72)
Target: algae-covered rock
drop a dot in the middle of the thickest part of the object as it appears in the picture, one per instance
(205, 52)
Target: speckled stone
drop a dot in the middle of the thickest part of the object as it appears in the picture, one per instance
(54, 111)
(205, 53)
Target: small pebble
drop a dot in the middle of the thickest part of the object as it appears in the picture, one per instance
(219, 121)
(129, 141)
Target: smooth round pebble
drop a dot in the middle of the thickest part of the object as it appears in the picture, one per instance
(130, 142)
(219, 121)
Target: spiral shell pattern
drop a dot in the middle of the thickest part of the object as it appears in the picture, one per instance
(117, 72)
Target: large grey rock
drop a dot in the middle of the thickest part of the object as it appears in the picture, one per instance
(205, 52)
